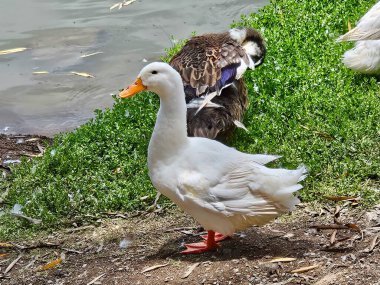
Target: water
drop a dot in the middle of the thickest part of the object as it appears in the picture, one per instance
(58, 32)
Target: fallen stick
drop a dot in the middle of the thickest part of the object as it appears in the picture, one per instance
(95, 279)
(190, 270)
(10, 266)
(154, 267)
(179, 229)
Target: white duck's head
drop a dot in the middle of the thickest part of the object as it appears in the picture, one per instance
(157, 77)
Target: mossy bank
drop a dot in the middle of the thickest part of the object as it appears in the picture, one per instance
(304, 105)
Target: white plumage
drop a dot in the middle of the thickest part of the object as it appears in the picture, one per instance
(365, 56)
(223, 189)
(368, 27)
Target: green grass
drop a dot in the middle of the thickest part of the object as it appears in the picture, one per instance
(304, 105)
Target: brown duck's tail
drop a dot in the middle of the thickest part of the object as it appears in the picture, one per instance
(218, 123)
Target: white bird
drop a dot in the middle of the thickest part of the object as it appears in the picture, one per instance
(223, 189)
(368, 27)
(364, 57)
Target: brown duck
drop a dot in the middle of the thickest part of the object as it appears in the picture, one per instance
(211, 67)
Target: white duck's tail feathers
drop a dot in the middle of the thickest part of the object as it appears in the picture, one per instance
(359, 35)
(304, 171)
(277, 187)
(264, 158)
(364, 57)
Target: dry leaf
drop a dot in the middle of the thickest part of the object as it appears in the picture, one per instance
(3, 244)
(126, 3)
(354, 227)
(154, 267)
(333, 237)
(3, 255)
(51, 264)
(41, 72)
(349, 25)
(91, 54)
(282, 259)
(190, 270)
(121, 4)
(304, 269)
(114, 6)
(84, 74)
(13, 50)
(373, 243)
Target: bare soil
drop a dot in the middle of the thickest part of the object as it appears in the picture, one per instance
(14, 147)
(116, 248)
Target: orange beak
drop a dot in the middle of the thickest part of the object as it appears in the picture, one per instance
(133, 89)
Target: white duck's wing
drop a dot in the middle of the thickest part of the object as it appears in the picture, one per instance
(368, 27)
(246, 194)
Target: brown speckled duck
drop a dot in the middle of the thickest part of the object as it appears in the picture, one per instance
(211, 67)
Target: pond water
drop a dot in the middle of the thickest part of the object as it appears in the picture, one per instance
(58, 32)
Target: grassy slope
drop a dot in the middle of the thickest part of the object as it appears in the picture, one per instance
(304, 105)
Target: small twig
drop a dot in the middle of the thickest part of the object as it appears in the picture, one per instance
(38, 245)
(31, 262)
(329, 227)
(179, 229)
(333, 237)
(10, 266)
(154, 267)
(72, 230)
(72, 250)
(96, 279)
(29, 219)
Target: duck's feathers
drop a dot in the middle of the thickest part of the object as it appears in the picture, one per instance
(368, 27)
(364, 57)
(239, 191)
(218, 123)
(211, 62)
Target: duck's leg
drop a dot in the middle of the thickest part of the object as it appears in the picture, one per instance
(208, 245)
(217, 236)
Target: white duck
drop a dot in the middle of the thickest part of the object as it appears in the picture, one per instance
(365, 56)
(223, 189)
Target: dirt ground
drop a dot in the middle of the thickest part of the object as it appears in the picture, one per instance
(145, 249)
(117, 249)
(14, 147)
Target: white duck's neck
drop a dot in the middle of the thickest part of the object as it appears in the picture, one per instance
(170, 132)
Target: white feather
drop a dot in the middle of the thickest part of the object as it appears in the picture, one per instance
(238, 35)
(364, 57)
(198, 102)
(368, 27)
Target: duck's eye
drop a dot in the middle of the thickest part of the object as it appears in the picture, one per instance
(154, 72)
